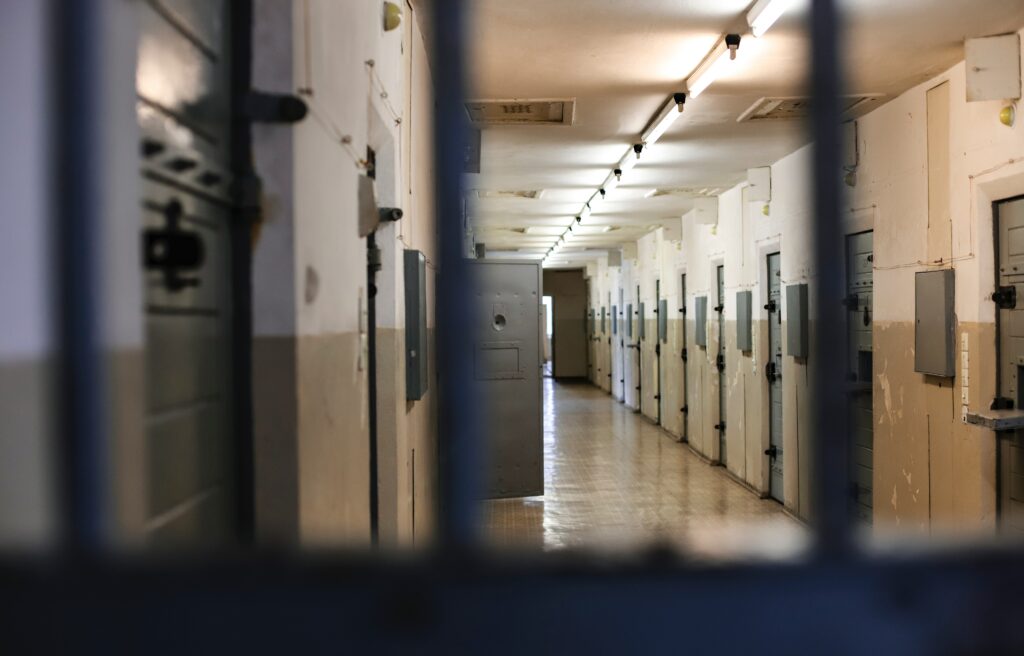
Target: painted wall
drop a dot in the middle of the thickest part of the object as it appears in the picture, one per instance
(929, 202)
(311, 355)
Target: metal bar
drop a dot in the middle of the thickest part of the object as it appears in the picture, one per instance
(78, 201)
(458, 447)
(246, 214)
(831, 513)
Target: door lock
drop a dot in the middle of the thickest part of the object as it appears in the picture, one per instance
(657, 349)
(685, 409)
(1005, 297)
(720, 426)
(772, 452)
(173, 251)
(771, 306)
(851, 302)
(770, 372)
(684, 355)
(719, 308)
(720, 363)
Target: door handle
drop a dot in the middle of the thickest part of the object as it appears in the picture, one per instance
(771, 306)
(720, 363)
(719, 308)
(772, 452)
(1005, 297)
(770, 372)
(720, 426)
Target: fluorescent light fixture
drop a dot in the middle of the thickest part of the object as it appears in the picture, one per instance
(764, 13)
(712, 67)
(668, 116)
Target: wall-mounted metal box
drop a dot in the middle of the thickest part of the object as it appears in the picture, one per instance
(640, 322)
(700, 318)
(663, 321)
(629, 320)
(744, 332)
(416, 380)
(934, 325)
(796, 320)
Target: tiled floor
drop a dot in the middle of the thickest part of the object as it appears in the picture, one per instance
(615, 481)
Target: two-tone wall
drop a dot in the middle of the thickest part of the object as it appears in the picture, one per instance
(930, 167)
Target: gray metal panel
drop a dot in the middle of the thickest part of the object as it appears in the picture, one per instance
(615, 320)
(415, 325)
(700, 318)
(604, 320)
(774, 366)
(641, 321)
(629, 320)
(663, 320)
(506, 356)
(1010, 358)
(860, 405)
(934, 338)
(744, 307)
(796, 320)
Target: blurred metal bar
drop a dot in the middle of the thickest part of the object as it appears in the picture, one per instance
(458, 410)
(78, 156)
(830, 512)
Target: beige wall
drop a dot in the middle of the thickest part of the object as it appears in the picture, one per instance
(925, 186)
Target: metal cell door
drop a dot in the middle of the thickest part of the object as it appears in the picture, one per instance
(637, 346)
(1010, 359)
(183, 86)
(660, 322)
(685, 408)
(720, 364)
(773, 374)
(859, 276)
(506, 365)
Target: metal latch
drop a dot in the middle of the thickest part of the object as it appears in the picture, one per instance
(720, 426)
(1005, 297)
(770, 372)
(173, 251)
(720, 363)
(851, 302)
(772, 452)
(771, 306)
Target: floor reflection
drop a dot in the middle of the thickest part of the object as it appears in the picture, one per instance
(615, 481)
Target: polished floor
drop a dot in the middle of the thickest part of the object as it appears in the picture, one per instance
(614, 481)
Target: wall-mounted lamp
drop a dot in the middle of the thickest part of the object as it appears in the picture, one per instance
(1008, 116)
(392, 16)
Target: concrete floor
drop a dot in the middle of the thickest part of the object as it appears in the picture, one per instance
(614, 481)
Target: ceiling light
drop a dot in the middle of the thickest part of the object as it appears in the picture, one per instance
(712, 67)
(668, 116)
(585, 214)
(764, 13)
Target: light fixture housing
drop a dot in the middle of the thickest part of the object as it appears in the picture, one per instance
(713, 66)
(764, 13)
(585, 213)
(668, 115)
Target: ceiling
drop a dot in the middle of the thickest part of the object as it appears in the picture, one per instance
(622, 60)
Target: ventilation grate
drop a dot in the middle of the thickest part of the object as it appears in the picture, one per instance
(792, 108)
(485, 113)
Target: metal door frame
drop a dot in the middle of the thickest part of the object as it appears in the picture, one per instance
(767, 251)
(1001, 443)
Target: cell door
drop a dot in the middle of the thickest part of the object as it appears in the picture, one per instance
(661, 318)
(186, 211)
(685, 407)
(637, 345)
(624, 318)
(859, 277)
(1010, 359)
(506, 368)
(720, 364)
(773, 375)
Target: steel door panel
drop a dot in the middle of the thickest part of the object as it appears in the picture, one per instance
(507, 359)
(722, 386)
(184, 360)
(860, 404)
(775, 408)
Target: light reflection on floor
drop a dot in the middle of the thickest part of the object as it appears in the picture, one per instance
(614, 481)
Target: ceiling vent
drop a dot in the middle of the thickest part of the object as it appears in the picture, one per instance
(533, 194)
(791, 108)
(484, 113)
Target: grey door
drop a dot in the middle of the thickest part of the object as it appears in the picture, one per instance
(685, 407)
(639, 332)
(506, 366)
(1010, 360)
(773, 375)
(859, 257)
(660, 322)
(720, 363)
(185, 215)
